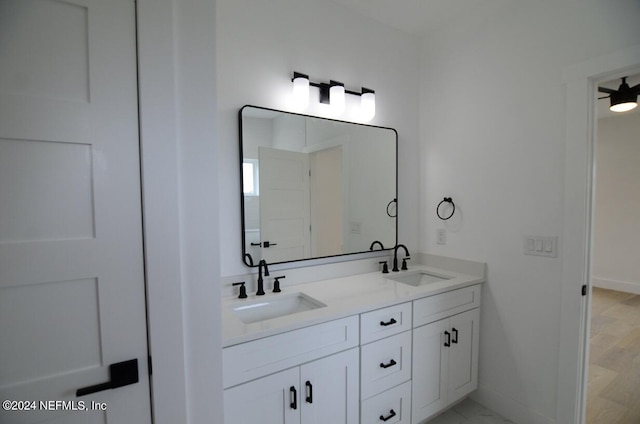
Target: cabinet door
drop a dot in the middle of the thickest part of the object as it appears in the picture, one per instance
(463, 354)
(270, 400)
(430, 362)
(330, 390)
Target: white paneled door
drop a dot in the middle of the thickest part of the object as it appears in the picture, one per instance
(284, 205)
(72, 297)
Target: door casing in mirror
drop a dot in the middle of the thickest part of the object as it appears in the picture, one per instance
(314, 187)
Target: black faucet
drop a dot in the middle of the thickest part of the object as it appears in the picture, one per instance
(395, 256)
(374, 243)
(261, 264)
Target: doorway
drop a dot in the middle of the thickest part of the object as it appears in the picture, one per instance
(613, 377)
(580, 82)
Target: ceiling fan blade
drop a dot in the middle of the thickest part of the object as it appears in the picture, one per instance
(606, 90)
(636, 88)
(605, 97)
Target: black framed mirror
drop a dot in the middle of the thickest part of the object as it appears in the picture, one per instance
(315, 187)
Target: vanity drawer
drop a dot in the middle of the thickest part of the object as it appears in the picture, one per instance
(385, 322)
(255, 359)
(384, 364)
(394, 405)
(434, 308)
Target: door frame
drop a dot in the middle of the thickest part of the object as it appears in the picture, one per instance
(580, 82)
(179, 153)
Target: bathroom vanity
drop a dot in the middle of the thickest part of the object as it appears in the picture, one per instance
(395, 347)
(368, 348)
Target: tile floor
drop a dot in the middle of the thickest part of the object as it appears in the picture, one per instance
(469, 412)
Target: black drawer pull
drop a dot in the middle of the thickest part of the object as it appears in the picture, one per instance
(309, 397)
(455, 336)
(294, 402)
(390, 322)
(448, 342)
(392, 414)
(390, 364)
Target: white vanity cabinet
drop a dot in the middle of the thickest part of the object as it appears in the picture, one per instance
(445, 350)
(306, 376)
(321, 391)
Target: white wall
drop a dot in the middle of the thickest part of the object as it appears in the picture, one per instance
(258, 46)
(492, 137)
(617, 204)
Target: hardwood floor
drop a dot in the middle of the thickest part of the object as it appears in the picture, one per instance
(613, 395)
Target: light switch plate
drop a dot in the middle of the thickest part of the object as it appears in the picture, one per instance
(441, 236)
(541, 246)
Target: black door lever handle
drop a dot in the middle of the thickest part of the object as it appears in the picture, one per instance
(121, 374)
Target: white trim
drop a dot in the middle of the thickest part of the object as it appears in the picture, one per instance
(579, 143)
(159, 149)
(623, 286)
(176, 78)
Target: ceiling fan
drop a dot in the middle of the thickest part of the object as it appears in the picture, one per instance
(624, 98)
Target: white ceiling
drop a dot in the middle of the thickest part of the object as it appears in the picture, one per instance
(419, 16)
(415, 16)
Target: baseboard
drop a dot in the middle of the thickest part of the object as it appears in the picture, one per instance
(508, 408)
(623, 286)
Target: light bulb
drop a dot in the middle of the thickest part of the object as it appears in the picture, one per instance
(337, 97)
(623, 107)
(367, 104)
(300, 91)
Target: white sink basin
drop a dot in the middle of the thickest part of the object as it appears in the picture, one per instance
(275, 306)
(419, 278)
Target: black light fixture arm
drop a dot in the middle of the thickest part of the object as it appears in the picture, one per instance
(623, 86)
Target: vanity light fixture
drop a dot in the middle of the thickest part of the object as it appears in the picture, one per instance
(332, 94)
(623, 99)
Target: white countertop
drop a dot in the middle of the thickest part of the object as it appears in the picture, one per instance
(343, 296)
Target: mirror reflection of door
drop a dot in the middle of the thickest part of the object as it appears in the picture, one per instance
(327, 202)
(284, 205)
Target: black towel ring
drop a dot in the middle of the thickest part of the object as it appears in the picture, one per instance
(389, 204)
(446, 200)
